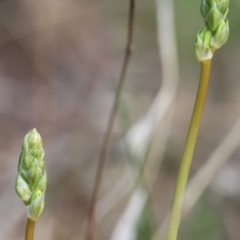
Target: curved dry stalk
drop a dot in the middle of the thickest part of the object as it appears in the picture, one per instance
(126, 230)
(154, 126)
(140, 134)
(107, 136)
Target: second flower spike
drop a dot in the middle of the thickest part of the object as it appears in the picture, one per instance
(216, 31)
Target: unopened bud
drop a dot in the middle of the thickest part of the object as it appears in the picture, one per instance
(221, 35)
(22, 189)
(203, 44)
(35, 208)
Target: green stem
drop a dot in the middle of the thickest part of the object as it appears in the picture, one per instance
(189, 150)
(29, 230)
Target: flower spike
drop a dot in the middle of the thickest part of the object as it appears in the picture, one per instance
(31, 180)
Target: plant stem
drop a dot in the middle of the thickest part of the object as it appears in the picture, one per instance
(29, 229)
(189, 150)
(107, 136)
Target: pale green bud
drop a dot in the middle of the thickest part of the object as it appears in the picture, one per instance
(214, 11)
(35, 208)
(33, 144)
(26, 159)
(203, 44)
(22, 188)
(33, 139)
(33, 173)
(222, 6)
(41, 183)
(221, 35)
(32, 178)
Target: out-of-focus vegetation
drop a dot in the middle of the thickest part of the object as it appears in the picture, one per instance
(59, 61)
(205, 222)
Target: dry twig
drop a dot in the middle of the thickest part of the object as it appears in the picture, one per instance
(107, 136)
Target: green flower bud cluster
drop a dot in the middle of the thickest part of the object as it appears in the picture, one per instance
(216, 25)
(31, 180)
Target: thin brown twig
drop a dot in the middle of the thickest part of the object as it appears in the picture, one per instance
(107, 136)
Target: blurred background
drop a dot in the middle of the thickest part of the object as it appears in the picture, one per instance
(60, 61)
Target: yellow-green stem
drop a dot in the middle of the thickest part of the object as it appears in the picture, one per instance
(29, 230)
(189, 150)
